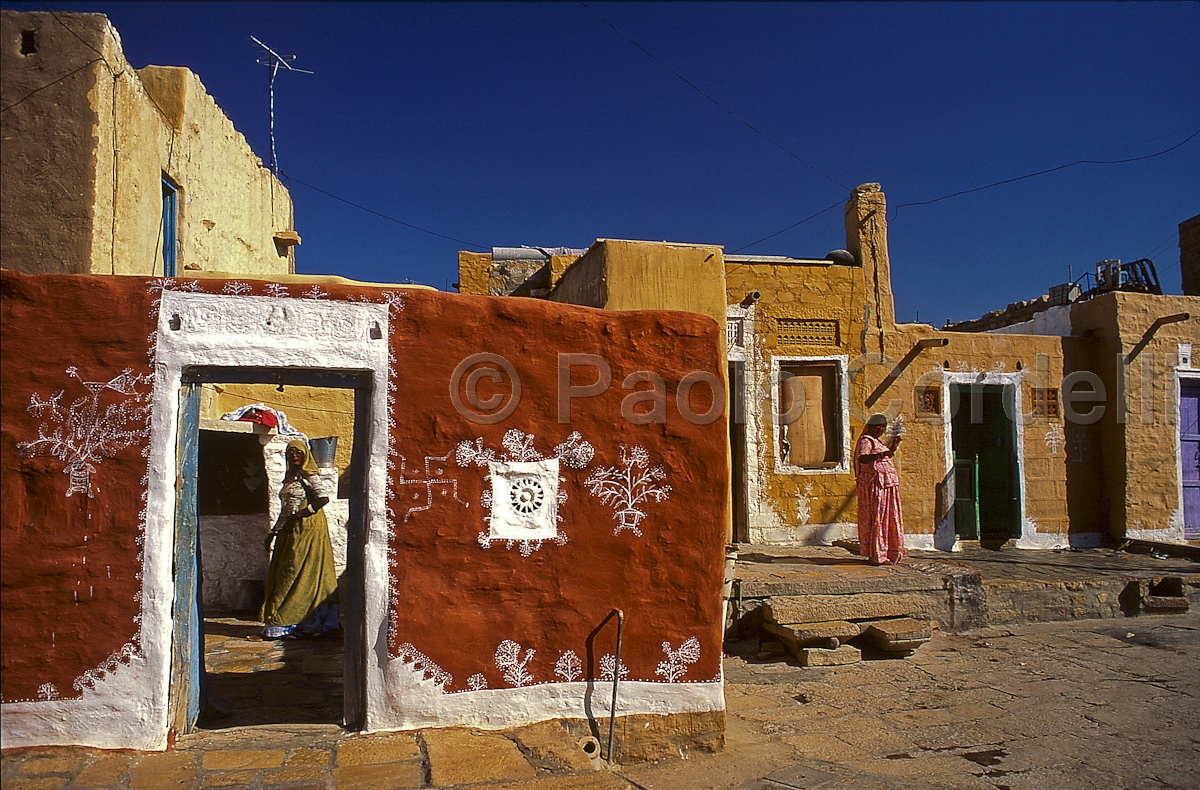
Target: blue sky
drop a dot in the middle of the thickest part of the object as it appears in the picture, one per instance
(511, 124)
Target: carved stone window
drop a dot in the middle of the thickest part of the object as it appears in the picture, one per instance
(807, 332)
(734, 329)
(1045, 403)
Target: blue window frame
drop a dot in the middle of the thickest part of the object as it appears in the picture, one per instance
(170, 210)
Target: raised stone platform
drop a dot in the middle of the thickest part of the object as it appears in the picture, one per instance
(968, 589)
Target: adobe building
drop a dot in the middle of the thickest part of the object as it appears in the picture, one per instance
(112, 170)
(483, 557)
(1006, 440)
(1136, 355)
(486, 553)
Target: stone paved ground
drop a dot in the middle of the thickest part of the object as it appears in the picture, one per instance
(1106, 704)
(273, 682)
(1109, 704)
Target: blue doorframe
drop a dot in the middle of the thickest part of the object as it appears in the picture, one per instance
(187, 638)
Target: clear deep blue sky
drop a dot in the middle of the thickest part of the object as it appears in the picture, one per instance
(538, 124)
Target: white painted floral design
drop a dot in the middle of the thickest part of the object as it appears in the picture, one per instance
(477, 682)
(1055, 439)
(81, 434)
(569, 667)
(624, 489)
(519, 447)
(676, 665)
(804, 504)
(608, 668)
(508, 660)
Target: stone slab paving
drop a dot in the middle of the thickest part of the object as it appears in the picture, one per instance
(1102, 704)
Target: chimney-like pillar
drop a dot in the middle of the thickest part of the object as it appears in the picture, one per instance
(1189, 255)
(866, 237)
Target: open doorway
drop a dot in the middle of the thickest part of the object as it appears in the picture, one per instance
(737, 451)
(987, 483)
(228, 475)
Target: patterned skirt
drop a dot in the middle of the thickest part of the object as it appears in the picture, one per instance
(880, 523)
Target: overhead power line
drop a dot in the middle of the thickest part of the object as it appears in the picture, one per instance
(708, 96)
(289, 179)
(825, 210)
(1189, 138)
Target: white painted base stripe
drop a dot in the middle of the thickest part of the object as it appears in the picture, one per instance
(411, 705)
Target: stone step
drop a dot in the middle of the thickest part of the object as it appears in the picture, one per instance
(801, 609)
(821, 657)
(901, 635)
(828, 635)
(1164, 603)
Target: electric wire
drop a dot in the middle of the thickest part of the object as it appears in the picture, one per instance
(708, 96)
(1189, 138)
(289, 179)
(825, 210)
(79, 38)
(51, 84)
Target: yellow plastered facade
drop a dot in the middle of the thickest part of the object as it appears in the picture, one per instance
(1077, 481)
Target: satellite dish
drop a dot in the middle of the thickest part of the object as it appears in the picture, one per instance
(842, 256)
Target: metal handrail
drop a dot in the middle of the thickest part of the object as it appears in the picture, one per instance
(612, 711)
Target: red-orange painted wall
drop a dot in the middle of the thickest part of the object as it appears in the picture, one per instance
(452, 599)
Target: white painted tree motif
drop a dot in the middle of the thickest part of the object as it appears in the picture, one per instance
(315, 293)
(235, 288)
(508, 659)
(277, 290)
(608, 668)
(47, 692)
(676, 665)
(1055, 439)
(85, 434)
(477, 682)
(569, 666)
(625, 489)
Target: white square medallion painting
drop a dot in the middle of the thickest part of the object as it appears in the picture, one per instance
(524, 499)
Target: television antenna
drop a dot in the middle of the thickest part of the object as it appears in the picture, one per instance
(274, 60)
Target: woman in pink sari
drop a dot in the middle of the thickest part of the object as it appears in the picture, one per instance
(880, 522)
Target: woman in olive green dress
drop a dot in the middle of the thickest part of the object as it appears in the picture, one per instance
(301, 591)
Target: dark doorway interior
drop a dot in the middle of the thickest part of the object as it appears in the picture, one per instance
(987, 484)
(737, 450)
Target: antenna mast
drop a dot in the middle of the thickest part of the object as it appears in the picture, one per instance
(274, 60)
